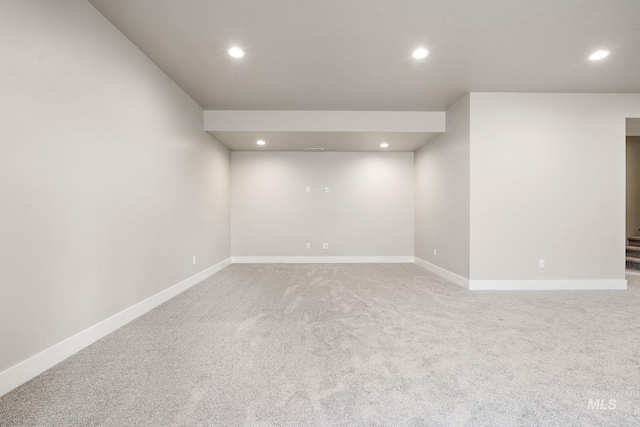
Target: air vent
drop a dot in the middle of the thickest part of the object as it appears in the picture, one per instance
(314, 149)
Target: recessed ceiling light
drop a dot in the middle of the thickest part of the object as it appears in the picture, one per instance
(384, 145)
(236, 52)
(599, 55)
(261, 142)
(420, 53)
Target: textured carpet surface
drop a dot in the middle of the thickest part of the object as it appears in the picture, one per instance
(352, 345)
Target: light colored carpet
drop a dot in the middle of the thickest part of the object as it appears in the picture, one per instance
(350, 345)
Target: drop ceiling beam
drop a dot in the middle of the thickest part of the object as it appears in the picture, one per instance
(323, 121)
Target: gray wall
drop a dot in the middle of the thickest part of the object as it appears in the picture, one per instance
(442, 195)
(367, 212)
(547, 182)
(633, 186)
(109, 185)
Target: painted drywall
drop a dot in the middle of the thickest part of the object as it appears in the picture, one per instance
(633, 126)
(633, 186)
(368, 210)
(323, 121)
(109, 185)
(548, 182)
(442, 188)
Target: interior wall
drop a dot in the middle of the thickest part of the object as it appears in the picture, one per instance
(547, 182)
(442, 186)
(633, 186)
(109, 185)
(368, 210)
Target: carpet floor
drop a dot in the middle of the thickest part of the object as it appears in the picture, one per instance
(352, 345)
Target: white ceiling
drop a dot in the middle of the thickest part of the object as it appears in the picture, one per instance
(355, 55)
(330, 141)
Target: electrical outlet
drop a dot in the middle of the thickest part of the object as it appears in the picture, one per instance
(308, 245)
(541, 263)
(435, 252)
(194, 259)
(326, 189)
(325, 246)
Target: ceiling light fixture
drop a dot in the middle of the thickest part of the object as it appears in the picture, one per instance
(384, 145)
(236, 52)
(420, 53)
(601, 54)
(261, 142)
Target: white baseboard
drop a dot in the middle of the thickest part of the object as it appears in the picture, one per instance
(321, 259)
(452, 277)
(35, 365)
(546, 285)
(523, 285)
